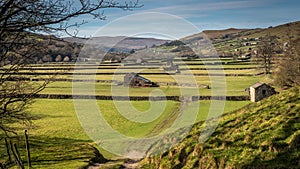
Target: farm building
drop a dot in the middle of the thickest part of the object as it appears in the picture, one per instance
(259, 91)
(135, 80)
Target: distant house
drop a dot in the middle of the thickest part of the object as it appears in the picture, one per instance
(135, 80)
(260, 91)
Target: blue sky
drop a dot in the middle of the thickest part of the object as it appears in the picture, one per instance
(208, 14)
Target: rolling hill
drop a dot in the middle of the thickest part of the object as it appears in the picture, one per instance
(118, 43)
(261, 135)
(233, 42)
(213, 34)
(226, 42)
(281, 31)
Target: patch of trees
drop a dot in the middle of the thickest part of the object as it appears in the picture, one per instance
(284, 57)
(174, 43)
(51, 49)
(288, 73)
(267, 51)
(182, 48)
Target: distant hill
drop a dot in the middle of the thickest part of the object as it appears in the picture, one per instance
(232, 42)
(261, 135)
(119, 43)
(47, 48)
(213, 34)
(226, 43)
(282, 31)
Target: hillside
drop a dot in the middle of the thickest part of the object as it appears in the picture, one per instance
(232, 42)
(119, 43)
(213, 34)
(228, 43)
(282, 31)
(40, 48)
(260, 135)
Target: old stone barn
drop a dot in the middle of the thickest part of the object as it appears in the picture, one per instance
(259, 91)
(135, 80)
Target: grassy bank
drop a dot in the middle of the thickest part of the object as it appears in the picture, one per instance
(261, 135)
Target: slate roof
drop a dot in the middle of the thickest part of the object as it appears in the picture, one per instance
(256, 85)
(140, 77)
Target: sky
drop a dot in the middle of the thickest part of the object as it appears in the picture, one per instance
(203, 14)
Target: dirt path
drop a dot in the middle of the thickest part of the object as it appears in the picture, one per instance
(131, 164)
(124, 164)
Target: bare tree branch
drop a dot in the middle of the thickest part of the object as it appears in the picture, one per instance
(19, 19)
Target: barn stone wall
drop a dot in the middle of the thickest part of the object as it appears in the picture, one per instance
(261, 92)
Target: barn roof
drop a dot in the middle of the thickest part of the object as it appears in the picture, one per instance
(142, 78)
(258, 84)
(139, 77)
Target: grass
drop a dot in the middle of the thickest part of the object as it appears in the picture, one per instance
(246, 71)
(218, 66)
(57, 139)
(124, 71)
(261, 135)
(235, 86)
(130, 128)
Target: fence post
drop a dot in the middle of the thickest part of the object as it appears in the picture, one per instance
(27, 149)
(7, 149)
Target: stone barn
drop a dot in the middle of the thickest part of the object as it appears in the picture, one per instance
(259, 91)
(135, 80)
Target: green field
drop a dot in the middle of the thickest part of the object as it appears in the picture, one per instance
(57, 139)
(235, 86)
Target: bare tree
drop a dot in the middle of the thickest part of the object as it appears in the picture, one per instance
(19, 20)
(288, 74)
(266, 52)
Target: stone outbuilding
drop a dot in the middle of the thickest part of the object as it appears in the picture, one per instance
(135, 80)
(260, 91)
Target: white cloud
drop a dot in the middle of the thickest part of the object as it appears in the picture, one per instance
(154, 24)
(195, 9)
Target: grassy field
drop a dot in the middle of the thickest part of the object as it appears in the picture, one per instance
(57, 139)
(235, 86)
(220, 66)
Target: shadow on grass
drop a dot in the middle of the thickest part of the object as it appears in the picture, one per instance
(47, 151)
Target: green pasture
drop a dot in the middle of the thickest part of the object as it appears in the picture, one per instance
(57, 139)
(236, 72)
(125, 71)
(235, 86)
(220, 66)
